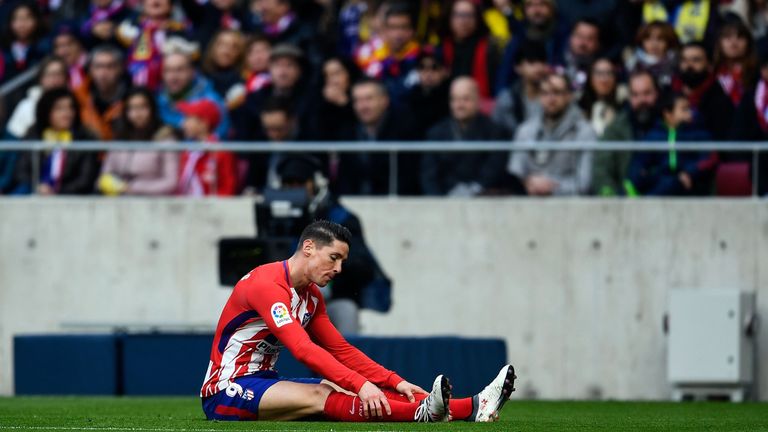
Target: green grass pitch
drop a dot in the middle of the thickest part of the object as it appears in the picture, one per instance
(184, 414)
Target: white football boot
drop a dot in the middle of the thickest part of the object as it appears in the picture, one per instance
(487, 404)
(434, 408)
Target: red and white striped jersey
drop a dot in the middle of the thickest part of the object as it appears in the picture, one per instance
(263, 314)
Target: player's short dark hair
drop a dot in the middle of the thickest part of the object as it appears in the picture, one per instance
(324, 232)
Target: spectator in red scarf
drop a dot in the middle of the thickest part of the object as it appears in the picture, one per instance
(466, 47)
(735, 61)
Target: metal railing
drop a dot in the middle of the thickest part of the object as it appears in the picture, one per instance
(393, 148)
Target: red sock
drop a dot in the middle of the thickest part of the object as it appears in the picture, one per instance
(342, 407)
(393, 395)
(461, 409)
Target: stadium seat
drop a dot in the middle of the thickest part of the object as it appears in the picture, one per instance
(733, 179)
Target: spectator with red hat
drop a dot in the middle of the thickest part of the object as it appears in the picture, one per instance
(204, 173)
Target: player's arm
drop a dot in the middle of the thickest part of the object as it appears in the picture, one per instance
(273, 304)
(326, 334)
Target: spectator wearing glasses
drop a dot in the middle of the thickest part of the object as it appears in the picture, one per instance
(603, 95)
(548, 172)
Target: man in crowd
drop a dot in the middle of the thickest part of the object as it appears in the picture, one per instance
(463, 174)
(546, 172)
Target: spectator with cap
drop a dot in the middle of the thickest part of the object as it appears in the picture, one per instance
(289, 82)
(145, 36)
(467, 48)
(517, 104)
(465, 173)
(101, 96)
(632, 123)
(541, 25)
(428, 100)
(551, 172)
(363, 284)
(376, 121)
(392, 55)
(204, 173)
(182, 83)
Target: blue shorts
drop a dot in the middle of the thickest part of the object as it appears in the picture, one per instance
(240, 401)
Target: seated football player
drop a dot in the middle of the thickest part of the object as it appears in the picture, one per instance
(280, 305)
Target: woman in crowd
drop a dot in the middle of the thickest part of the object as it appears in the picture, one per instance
(256, 65)
(735, 60)
(53, 74)
(58, 171)
(223, 64)
(335, 107)
(603, 95)
(149, 172)
(656, 51)
(23, 41)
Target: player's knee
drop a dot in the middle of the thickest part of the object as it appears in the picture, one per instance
(319, 394)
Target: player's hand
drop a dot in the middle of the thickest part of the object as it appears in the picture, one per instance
(374, 401)
(408, 389)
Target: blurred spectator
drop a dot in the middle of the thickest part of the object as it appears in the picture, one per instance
(204, 173)
(368, 173)
(541, 26)
(280, 126)
(213, 16)
(671, 173)
(69, 48)
(712, 108)
(429, 99)
(101, 97)
(223, 64)
(631, 124)
(256, 68)
(519, 103)
(60, 171)
(656, 51)
(100, 26)
(735, 60)
(355, 18)
(52, 74)
(145, 36)
(502, 18)
(463, 174)
(24, 42)
(363, 284)
(546, 172)
(335, 107)
(583, 49)
(603, 95)
(467, 48)
(277, 20)
(148, 172)
(288, 82)
(391, 57)
(182, 83)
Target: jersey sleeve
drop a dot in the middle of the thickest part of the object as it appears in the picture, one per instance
(326, 334)
(272, 303)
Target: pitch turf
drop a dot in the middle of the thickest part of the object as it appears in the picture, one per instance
(184, 414)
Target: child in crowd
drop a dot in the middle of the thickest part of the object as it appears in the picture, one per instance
(204, 173)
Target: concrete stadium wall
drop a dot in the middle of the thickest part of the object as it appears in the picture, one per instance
(578, 288)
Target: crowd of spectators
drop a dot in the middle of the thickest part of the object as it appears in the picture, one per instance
(285, 71)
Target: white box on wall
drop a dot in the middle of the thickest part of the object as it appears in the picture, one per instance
(708, 339)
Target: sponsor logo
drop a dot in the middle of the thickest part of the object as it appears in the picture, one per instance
(352, 410)
(280, 314)
(265, 347)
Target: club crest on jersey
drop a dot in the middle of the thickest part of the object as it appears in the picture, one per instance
(305, 319)
(280, 314)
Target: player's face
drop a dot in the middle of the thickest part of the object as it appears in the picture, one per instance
(325, 262)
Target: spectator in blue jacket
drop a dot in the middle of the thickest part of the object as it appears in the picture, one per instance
(182, 83)
(672, 172)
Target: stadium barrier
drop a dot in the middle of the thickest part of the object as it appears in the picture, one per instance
(175, 364)
(394, 148)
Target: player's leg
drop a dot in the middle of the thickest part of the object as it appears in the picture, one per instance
(461, 409)
(286, 400)
(434, 407)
